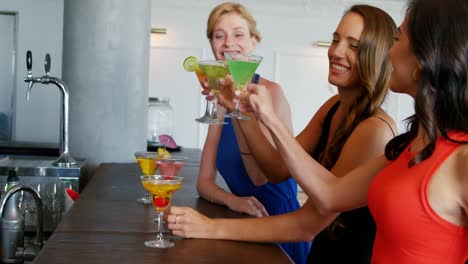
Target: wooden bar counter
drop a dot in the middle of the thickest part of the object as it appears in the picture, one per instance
(107, 225)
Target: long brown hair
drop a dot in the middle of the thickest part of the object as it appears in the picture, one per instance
(374, 68)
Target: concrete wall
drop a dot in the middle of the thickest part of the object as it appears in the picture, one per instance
(106, 51)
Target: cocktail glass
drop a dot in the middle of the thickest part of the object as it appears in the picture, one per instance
(171, 165)
(206, 118)
(242, 68)
(214, 70)
(161, 188)
(148, 166)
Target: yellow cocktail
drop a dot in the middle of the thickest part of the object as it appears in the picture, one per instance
(148, 166)
(161, 188)
(162, 191)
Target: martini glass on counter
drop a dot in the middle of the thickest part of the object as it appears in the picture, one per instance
(161, 188)
(171, 165)
(242, 68)
(148, 166)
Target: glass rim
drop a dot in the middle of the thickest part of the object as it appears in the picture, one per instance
(172, 158)
(212, 62)
(149, 154)
(162, 178)
(250, 56)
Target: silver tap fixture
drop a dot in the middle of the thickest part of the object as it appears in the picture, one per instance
(65, 159)
(13, 228)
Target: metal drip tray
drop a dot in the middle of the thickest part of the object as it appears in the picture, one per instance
(38, 166)
(48, 180)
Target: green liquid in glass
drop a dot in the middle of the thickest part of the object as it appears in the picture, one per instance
(242, 71)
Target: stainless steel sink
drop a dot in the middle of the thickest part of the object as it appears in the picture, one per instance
(50, 181)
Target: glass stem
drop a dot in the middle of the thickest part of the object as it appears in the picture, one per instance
(207, 109)
(147, 195)
(214, 113)
(160, 233)
(237, 106)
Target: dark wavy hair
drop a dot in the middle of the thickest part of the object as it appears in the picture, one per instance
(438, 35)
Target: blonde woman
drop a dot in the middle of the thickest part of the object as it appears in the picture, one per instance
(231, 27)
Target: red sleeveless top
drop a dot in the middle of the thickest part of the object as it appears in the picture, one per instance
(408, 230)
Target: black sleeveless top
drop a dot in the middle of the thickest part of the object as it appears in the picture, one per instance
(351, 243)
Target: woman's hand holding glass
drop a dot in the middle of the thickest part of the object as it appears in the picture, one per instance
(188, 223)
(255, 98)
(226, 96)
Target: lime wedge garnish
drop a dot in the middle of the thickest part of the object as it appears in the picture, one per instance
(191, 64)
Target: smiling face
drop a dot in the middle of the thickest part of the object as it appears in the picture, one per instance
(231, 33)
(343, 52)
(406, 67)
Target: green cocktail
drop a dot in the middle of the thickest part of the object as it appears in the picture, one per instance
(242, 68)
(214, 70)
(242, 71)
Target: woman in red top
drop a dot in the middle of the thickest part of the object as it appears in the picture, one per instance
(417, 192)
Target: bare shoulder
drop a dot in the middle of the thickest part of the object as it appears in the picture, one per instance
(461, 165)
(378, 125)
(272, 86)
(369, 138)
(366, 143)
(461, 177)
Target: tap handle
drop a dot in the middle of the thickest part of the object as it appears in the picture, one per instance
(29, 61)
(47, 64)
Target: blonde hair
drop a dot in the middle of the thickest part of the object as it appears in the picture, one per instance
(227, 8)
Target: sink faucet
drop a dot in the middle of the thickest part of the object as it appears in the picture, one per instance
(9, 250)
(65, 160)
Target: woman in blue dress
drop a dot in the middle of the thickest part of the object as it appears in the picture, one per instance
(231, 27)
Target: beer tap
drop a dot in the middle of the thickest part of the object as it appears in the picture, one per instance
(65, 159)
